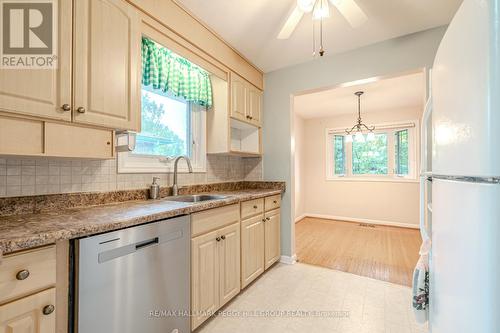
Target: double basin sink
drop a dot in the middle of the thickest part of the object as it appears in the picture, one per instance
(196, 197)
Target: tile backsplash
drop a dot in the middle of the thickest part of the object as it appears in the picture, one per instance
(34, 176)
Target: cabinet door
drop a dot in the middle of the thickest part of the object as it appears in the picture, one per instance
(26, 315)
(239, 92)
(205, 269)
(107, 64)
(252, 249)
(254, 105)
(75, 141)
(42, 92)
(229, 263)
(272, 237)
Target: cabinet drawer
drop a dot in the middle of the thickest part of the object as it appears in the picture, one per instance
(212, 219)
(251, 208)
(34, 313)
(74, 141)
(272, 202)
(27, 272)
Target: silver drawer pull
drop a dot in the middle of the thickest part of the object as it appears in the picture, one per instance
(48, 309)
(22, 275)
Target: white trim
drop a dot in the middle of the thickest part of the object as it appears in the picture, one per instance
(288, 260)
(384, 126)
(362, 220)
(297, 219)
(389, 129)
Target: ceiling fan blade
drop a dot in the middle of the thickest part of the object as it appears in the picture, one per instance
(291, 23)
(351, 11)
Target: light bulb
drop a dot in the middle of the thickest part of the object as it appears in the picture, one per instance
(359, 137)
(348, 138)
(305, 5)
(370, 136)
(321, 10)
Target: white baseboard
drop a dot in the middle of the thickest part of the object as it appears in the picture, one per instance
(360, 220)
(288, 260)
(297, 219)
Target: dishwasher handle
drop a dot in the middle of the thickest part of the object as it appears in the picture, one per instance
(146, 243)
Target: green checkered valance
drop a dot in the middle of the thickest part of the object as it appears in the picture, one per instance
(169, 72)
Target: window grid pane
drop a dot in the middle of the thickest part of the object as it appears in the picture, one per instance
(370, 157)
(339, 154)
(401, 151)
(165, 123)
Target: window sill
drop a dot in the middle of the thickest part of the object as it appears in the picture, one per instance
(373, 180)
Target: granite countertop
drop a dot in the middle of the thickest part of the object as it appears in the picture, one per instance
(19, 232)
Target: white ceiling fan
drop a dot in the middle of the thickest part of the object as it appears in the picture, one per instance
(321, 10)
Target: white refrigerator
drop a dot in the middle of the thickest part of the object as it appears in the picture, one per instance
(465, 173)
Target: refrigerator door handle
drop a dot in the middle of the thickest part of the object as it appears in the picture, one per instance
(423, 208)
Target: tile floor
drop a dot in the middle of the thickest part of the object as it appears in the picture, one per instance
(354, 303)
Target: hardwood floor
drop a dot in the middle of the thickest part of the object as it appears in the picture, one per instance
(380, 252)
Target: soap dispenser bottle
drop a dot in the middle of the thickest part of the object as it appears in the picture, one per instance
(154, 191)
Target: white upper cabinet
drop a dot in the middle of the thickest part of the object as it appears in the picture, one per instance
(42, 92)
(107, 64)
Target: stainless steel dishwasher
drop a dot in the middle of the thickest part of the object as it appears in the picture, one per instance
(134, 280)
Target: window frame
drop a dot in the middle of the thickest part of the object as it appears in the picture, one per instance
(390, 129)
(128, 162)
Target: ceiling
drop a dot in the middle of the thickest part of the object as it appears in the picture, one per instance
(251, 26)
(402, 92)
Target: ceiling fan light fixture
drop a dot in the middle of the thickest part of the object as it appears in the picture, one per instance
(306, 5)
(321, 10)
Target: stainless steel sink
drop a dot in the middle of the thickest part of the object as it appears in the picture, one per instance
(196, 197)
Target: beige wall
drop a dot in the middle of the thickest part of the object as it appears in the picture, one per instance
(364, 201)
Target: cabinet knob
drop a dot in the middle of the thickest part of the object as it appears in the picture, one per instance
(81, 109)
(263, 220)
(248, 117)
(255, 207)
(275, 202)
(268, 219)
(66, 107)
(22, 275)
(48, 309)
(223, 237)
(218, 239)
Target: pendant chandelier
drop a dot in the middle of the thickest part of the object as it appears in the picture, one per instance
(359, 127)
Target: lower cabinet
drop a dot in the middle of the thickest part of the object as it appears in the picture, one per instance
(215, 271)
(252, 249)
(32, 314)
(260, 237)
(272, 237)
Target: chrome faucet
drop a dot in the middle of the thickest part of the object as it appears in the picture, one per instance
(175, 189)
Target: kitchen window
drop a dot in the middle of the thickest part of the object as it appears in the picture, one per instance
(175, 96)
(389, 155)
(170, 127)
